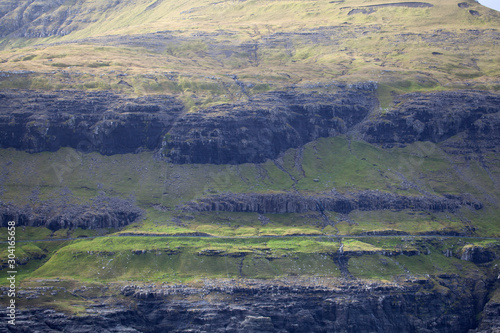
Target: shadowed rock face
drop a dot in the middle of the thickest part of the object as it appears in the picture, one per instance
(477, 255)
(102, 212)
(423, 305)
(436, 117)
(99, 121)
(263, 128)
(296, 203)
(238, 133)
(112, 124)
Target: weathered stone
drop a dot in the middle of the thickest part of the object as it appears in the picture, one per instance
(436, 117)
(248, 132)
(104, 212)
(334, 201)
(477, 254)
(426, 305)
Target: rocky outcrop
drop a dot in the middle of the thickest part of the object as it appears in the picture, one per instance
(434, 304)
(102, 212)
(334, 201)
(436, 117)
(87, 121)
(477, 254)
(266, 126)
(248, 132)
(229, 133)
(490, 319)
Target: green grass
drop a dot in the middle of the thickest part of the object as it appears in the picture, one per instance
(104, 264)
(29, 257)
(337, 166)
(375, 266)
(354, 245)
(408, 221)
(188, 259)
(159, 187)
(166, 259)
(327, 164)
(430, 261)
(402, 56)
(387, 91)
(227, 224)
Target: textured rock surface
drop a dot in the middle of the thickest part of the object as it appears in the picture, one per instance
(265, 127)
(297, 203)
(102, 212)
(423, 305)
(490, 322)
(477, 254)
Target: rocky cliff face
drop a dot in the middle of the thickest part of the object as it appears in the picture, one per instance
(112, 124)
(265, 127)
(239, 133)
(477, 254)
(100, 121)
(102, 212)
(333, 201)
(491, 315)
(436, 117)
(411, 305)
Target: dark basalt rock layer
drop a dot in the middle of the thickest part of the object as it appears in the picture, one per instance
(477, 254)
(436, 117)
(336, 202)
(265, 127)
(102, 212)
(414, 305)
(230, 133)
(87, 121)
(248, 132)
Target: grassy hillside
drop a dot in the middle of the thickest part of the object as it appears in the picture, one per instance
(228, 51)
(190, 48)
(250, 18)
(335, 163)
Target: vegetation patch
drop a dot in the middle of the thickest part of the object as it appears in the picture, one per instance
(156, 258)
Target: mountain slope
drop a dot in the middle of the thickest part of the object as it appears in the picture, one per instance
(191, 47)
(257, 166)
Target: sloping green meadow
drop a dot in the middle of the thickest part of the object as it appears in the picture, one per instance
(404, 48)
(327, 164)
(171, 259)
